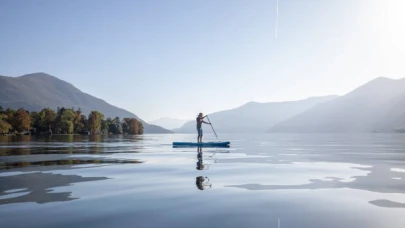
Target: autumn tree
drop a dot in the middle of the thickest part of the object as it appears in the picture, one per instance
(131, 126)
(22, 120)
(10, 116)
(134, 126)
(79, 121)
(5, 127)
(95, 122)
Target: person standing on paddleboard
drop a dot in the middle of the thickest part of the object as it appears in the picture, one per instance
(200, 120)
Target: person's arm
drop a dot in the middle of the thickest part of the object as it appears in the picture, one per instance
(203, 119)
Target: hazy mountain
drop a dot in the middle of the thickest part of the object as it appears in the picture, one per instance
(255, 117)
(378, 105)
(37, 91)
(394, 118)
(169, 123)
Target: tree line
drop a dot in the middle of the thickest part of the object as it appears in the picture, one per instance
(65, 121)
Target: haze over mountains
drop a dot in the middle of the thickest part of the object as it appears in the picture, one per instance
(169, 123)
(255, 117)
(377, 106)
(39, 90)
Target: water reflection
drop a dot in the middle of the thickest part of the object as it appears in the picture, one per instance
(23, 164)
(37, 187)
(379, 179)
(68, 144)
(40, 155)
(201, 182)
(200, 162)
(387, 203)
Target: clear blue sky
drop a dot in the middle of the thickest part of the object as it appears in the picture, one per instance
(172, 58)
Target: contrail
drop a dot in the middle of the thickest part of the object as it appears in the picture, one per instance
(277, 19)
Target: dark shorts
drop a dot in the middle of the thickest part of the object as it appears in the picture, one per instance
(200, 133)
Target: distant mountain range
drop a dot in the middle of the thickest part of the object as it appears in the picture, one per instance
(255, 117)
(39, 90)
(168, 123)
(377, 106)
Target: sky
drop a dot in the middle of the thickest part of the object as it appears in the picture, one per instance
(176, 58)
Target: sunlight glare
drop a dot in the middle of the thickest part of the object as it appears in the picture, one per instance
(391, 27)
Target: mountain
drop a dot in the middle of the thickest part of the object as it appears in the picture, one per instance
(169, 123)
(376, 106)
(39, 90)
(255, 117)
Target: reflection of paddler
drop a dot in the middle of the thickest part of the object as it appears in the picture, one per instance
(199, 181)
(200, 164)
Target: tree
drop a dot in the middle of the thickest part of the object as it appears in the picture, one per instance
(22, 120)
(134, 126)
(5, 127)
(78, 122)
(131, 126)
(84, 122)
(114, 125)
(64, 120)
(140, 128)
(104, 127)
(110, 126)
(48, 117)
(125, 127)
(35, 120)
(95, 122)
(118, 125)
(58, 119)
(68, 117)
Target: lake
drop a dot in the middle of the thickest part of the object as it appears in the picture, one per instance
(262, 180)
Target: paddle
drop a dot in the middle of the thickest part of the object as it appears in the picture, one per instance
(212, 127)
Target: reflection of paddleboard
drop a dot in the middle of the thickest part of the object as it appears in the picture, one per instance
(204, 144)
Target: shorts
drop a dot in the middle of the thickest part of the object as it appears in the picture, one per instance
(200, 133)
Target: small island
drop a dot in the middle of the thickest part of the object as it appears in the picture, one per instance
(64, 121)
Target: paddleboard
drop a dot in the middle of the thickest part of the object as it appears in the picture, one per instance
(203, 144)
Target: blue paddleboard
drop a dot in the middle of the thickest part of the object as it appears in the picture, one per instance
(203, 144)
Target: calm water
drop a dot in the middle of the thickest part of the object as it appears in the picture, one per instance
(269, 180)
